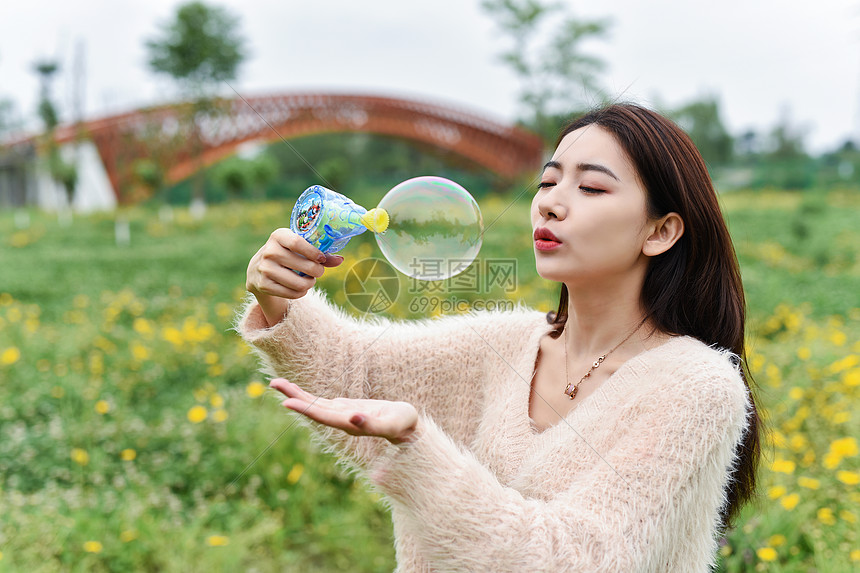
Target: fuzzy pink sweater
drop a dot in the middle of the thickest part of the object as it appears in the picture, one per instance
(632, 480)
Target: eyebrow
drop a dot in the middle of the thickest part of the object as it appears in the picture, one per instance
(584, 167)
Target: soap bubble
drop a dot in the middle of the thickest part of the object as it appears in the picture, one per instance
(435, 229)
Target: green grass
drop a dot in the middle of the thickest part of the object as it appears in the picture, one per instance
(111, 355)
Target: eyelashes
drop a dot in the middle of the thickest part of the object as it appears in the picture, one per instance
(583, 188)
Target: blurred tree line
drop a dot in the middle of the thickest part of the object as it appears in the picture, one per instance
(201, 47)
(559, 79)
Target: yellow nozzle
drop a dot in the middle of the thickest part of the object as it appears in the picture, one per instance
(375, 220)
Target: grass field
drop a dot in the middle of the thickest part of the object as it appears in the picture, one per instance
(132, 417)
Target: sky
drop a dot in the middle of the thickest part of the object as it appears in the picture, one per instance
(765, 59)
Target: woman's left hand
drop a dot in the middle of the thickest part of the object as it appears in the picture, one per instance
(394, 421)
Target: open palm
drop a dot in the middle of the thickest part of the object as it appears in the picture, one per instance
(394, 421)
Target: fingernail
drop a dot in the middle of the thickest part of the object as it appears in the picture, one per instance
(357, 419)
(321, 258)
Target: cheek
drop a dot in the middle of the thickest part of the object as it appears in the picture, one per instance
(613, 235)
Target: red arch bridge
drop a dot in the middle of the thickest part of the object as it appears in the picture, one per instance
(183, 138)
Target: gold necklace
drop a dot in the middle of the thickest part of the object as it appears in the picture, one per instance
(572, 390)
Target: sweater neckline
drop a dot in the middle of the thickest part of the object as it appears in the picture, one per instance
(599, 396)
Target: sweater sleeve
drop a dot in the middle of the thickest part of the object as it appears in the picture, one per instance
(619, 515)
(437, 365)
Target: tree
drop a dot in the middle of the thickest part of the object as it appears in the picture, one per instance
(556, 77)
(702, 121)
(200, 48)
(62, 172)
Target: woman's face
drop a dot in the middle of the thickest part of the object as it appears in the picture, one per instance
(591, 199)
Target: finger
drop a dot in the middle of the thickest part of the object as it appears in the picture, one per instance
(279, 257)
(319, 413)
(276, 273)
(333, 260)
(293, 390)
(273, 288)
(295, 243)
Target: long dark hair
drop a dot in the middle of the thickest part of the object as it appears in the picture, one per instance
(694, 288)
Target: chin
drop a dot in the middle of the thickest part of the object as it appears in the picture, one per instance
(549, 272)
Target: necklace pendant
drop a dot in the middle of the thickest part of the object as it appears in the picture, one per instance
(571, 391)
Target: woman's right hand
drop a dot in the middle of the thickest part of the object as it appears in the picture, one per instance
(270, 277)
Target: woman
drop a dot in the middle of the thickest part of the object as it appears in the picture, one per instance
(616, 434)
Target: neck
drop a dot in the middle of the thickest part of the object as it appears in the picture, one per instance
(600, 318)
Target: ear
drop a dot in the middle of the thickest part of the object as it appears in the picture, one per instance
(665, 232)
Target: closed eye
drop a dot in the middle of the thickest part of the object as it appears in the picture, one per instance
(591, 190)
(545, 184)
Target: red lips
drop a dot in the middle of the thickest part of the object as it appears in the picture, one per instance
(546, 241)
(543, 233)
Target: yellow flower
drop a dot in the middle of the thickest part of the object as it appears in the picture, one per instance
(774, 375)
(143, 326)
(80, 457)
(295, 473)
(93, 547)
(776, 492)
(795, 393)
(766, 554)
(831, 460)
(217, 540)
(197, 414)
(10, 356)
(844, 447)
(139, 352)
(849, 361)
(790, 501)
(784, 466)
(172, 335)
(825, 516)
(808, 483)
(776, 540)
(852, 377)
(102, 407)
(128, 455)
(219, 415)
(846, 515)
(838, 338)
(855, 555)
(128, 535)
(223, 310)
(211, 358)
(841, 417)
(797, 442)
(848, 478)
(804, 353)
(255, 389)
(216, 400)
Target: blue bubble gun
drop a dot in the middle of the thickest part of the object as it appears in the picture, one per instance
(328, 220)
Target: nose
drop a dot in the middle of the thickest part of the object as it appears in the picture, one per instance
(550, 206)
